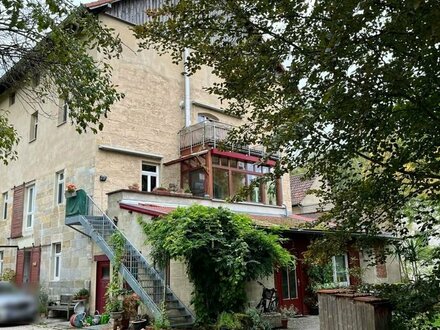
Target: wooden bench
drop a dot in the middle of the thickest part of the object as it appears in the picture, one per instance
(65, 304)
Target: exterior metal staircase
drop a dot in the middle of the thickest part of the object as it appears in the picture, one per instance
(147, 282)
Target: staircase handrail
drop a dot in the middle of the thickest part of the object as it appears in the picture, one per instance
(142, 257)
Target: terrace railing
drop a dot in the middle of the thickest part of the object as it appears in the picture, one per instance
(212, 134)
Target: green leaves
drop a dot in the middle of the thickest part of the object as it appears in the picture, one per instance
(69, 49)
(329, 83)
(222, 251)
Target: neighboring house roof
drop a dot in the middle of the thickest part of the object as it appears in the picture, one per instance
(99, 3)
(299, 187)
(291, 221)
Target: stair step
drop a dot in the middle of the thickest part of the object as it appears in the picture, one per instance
(175, 308)
(179, 317)
(148, 280)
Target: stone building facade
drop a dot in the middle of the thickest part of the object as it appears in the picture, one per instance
(139, 146)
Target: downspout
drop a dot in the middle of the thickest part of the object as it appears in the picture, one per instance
(187, 99)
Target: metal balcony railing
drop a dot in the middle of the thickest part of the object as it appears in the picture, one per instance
(212, 134)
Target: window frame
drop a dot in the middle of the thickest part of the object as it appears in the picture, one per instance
(206, 117)
(2, 254)
(59, 193)
(34, 127)
(63, 111)
(149, 175)
(248, 173)
(335, 272)
(57, 258)
(31, 213)
(5, 204)
(288, 271)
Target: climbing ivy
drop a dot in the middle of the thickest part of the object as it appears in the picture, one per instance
(222, 251)
(113, 304)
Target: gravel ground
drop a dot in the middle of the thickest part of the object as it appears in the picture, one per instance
(304, 323)
(298, 323)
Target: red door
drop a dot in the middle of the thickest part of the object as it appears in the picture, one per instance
(102, 280)
(292, 282)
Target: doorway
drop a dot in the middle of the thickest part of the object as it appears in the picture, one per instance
(102, 280)
(291, 282)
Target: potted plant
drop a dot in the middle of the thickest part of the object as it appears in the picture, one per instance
(114, 308)
(286, 314)
(228, 321)
(82, 294)
(70, 190)
(130, 304)
(140, 322)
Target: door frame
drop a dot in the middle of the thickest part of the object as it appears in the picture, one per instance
(296, 246)
(101, 261)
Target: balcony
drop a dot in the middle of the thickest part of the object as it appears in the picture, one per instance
(210, 134)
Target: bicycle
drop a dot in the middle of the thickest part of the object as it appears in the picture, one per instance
(269, 300)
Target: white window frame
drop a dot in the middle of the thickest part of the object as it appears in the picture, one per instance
(5, 205)
(59, 187)
(63, 111)
(1, 261)
(34, 127)
(289, 270)
(150, 174)
(30, 206)
(347, 276)
(56, 260)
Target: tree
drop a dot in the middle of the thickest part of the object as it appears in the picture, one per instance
(47, 51)
(221, 250)
(349, 90)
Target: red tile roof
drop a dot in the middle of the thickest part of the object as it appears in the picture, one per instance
(291, 221)
(98, 3)
(299, 187)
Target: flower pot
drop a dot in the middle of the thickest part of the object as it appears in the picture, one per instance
(69, 194)
(139, 324)
(125, 323)
(116, 315)
(284, 323)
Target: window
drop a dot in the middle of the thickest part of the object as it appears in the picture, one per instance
(150, 177)
(340, 270)
(5, 206)
(56, 252)
(197, 180)
(271, 193)
(221, 183)
(11, 98)
(36, 80)
(59, 191)
(1, 262)
(63, 110)
(288, 283)
(30, 206)
(201, 117)
(230, 175)
(34, 126)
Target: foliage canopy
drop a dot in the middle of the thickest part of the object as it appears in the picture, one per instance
(52, 49)
(222, 251)
(355, 101)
